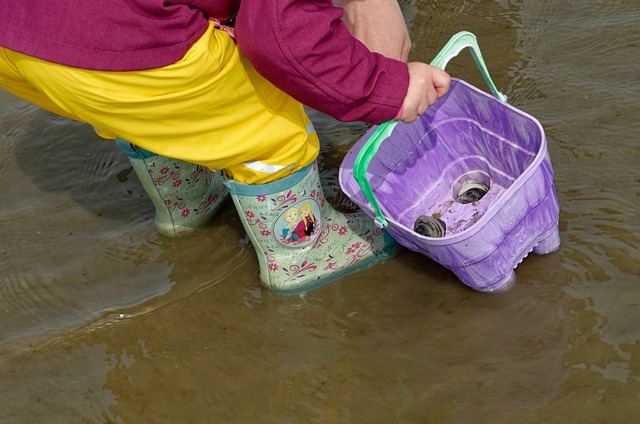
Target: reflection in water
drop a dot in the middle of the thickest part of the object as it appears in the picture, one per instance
(103, 320)
(59, 387)
(65, 260)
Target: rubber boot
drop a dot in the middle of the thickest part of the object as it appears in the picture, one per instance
(186, 196)
(301, 241)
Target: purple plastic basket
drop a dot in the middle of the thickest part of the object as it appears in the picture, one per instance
(419, 168)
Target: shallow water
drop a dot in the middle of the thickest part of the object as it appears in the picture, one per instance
(103, 320)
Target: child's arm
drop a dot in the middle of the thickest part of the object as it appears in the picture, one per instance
(305, 49)
(380, 25)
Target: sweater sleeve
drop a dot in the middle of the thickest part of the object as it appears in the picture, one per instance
(304, 48)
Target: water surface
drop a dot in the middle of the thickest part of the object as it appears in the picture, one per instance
(103, 320)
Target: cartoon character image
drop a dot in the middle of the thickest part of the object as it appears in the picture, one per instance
(307, 218)
(297, 224)
(291, 216)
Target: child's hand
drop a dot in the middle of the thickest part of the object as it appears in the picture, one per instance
(426, 85)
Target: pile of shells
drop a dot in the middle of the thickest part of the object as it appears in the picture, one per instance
(471, 191)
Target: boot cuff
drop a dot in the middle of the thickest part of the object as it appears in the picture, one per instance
(268, 188)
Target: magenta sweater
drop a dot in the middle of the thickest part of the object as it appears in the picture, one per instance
(301, 46)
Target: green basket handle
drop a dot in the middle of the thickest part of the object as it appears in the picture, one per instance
(455, 45)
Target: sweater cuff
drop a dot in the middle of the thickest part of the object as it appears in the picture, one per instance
(399, 115)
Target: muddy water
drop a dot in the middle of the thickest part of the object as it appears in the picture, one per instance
(103, 320)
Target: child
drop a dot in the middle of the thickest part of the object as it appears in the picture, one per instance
(182, 96)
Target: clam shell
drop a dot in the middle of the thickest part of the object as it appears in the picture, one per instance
(471, 191)
(430, 226)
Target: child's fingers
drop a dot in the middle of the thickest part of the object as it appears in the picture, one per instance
(441, 81)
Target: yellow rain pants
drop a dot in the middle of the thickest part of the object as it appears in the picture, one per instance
(211, 108)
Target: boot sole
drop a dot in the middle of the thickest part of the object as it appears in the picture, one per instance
(392, 249)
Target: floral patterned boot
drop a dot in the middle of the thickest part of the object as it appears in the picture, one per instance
(302, 242)
(186, 196)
